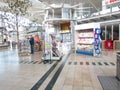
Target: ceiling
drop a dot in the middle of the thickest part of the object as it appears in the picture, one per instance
(97, 3)
(36, 12)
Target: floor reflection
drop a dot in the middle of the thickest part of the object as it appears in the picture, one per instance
(12, 56)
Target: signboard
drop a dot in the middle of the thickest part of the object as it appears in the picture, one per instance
(97, 41)
(106, 2)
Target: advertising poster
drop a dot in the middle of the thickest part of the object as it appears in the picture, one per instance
(106, 2)
(97, 41)
(47, 49)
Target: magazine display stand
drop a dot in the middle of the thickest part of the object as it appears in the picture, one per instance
(55, 48)
(51, 51)
(87, 39)
(47, 48)
(24, 47)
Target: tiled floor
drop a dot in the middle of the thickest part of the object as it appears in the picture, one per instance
(80, 71)
(76, 72)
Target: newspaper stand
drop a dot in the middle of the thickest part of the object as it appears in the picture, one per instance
(47, 54)
(24, 47)
(47, 49)
(51, 51)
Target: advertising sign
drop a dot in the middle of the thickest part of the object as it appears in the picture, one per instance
(106, 2)
(97, 41)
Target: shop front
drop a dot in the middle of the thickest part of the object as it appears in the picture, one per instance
(110, 35)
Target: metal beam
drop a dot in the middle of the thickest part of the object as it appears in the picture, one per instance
(102, 18)
(93, 5)
(114, 16)
(93, 20)
(76, 5)
(83, 8)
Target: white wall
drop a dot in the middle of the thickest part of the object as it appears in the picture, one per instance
(87, 26)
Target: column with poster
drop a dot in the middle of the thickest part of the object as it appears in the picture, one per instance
(97, 41)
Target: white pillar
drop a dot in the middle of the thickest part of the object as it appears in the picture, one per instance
(70, 14)
(105, 32)
(46, 15)
(119, 31)
(62, 13)
(112, 31)
(53, 13)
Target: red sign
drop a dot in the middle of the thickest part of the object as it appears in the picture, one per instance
(111, 1)
(106, 2)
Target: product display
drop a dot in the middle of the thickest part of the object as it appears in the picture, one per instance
(47, 47)
(85, 41)
(66, 37)
(51, 49)
(24, 47)
(86, 34)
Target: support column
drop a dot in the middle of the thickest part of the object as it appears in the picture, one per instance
(119, 31)
(53, 13)
(112, 31)
(62, 14)
(73, 23)
(70, 14)
(46, 15)
(105, 32)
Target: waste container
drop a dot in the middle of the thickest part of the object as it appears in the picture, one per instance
(118, 66)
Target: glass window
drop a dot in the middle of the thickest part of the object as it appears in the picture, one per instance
(103, 33)
(116, 32)
(109, 33)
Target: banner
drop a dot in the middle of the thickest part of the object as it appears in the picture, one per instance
(106, 2)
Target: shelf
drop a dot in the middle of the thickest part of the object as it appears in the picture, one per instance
(84, 52)
(85, 37)
(64, 32)
(86, 43)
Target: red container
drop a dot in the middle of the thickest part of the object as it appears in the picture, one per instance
(109, 44)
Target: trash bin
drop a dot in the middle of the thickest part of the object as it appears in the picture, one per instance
(118, 66)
